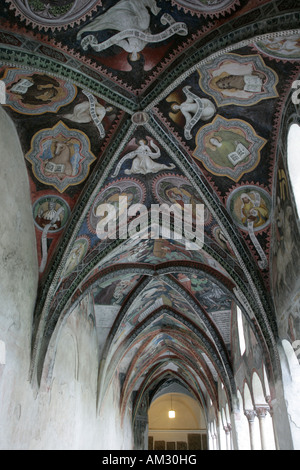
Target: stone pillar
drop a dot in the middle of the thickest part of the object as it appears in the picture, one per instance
(261, 413)
(227, 430)
(140, 433)
(215, 438)
(141, 427)
(251, 415)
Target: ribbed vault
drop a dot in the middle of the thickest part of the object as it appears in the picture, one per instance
(171, 308)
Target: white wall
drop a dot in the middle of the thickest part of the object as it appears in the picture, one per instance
(62, 416)
(18, 282)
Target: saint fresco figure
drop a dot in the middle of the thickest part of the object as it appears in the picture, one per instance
(36, 93)
(252, 83)
(250, 207)
(50, 216)
(77, 254)
(235, 79)
(36, 89)
(254, 210)
(228, 148)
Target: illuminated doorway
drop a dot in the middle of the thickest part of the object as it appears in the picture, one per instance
(186, 431)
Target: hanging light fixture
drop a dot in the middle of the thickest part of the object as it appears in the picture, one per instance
(172, 413)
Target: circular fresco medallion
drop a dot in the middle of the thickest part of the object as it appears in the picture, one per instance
(250, 206)
(53, 14)
(127, 190)
(52, 212)
(176, 191)
(207, 6)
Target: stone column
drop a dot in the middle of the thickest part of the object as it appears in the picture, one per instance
(227, 430)
(251, 415)
(213, 440)
(141, 426)
(261, 413)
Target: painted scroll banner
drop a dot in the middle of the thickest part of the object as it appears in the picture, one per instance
(263, 262)
(120, 38)
(199, 104)
(93, 112)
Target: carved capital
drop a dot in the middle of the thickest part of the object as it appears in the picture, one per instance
(250, 415)
(262, 411)
(269, 401)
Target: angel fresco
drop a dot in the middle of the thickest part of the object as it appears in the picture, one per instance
(193, 109)
(90, 111)
(130, 19)
(143, 160)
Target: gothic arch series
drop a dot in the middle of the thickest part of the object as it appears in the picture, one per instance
(194, 110)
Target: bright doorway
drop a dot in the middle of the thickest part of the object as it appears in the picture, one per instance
(187, 431)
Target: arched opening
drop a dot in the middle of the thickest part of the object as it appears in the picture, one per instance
(293, 158)
(241, 333)
(187, 431)
(242, 426)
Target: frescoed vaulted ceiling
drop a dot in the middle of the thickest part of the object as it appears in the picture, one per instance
(162, 102)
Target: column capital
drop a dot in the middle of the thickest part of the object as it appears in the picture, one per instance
(269, 401)
(250, 415)
(262, 410)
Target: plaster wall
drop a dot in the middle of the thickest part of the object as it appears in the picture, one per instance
(18, 286)
(62, 415)
(69, 419)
